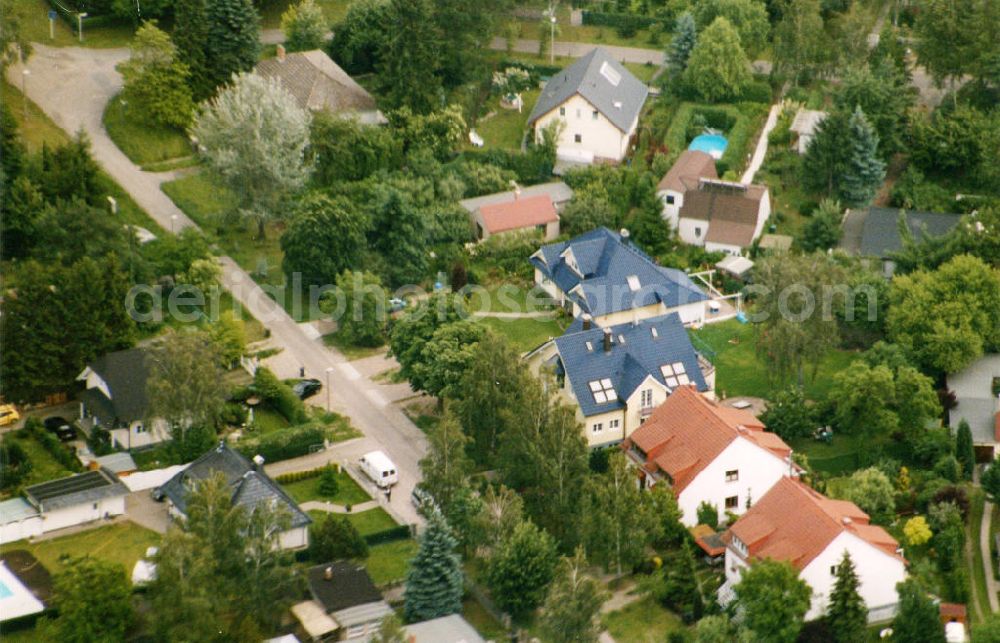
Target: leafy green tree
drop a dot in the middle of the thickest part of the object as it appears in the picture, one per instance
(93, 598)
(885, 96)
(70, 230)
(864, 170)
(86, 297)
(681, 590)
(304, 26)
(964, 450)
(189, 34)
(494, 383)
(987, 630)
(409, 68)
(946, 318)
(232, 44)
(619, 521)
(943, 44)
(325, 237)
(521, 568)
(335, 537)
(344, 150)
(571, 608)
(774, 600)
(918, 619)
(253, 135)
(447, 356)
(446, 467)
(70, 172)
(14, 42)
(399, 234)
(361, 39)
(390, 631)
(502, 510)
(185, 385)
(328, 486)
(847, 614)
(434, 584)
(708, 514)
(220, 574)
(789, 415)
(664, 506)
(990, 481)
(822, 231)
(544, 454)
(717, 628)
(586, 211)
(683, 43)
(229, 335)
(872, 491)
(917, 532)
(748, 16)
(864, 400)
(799, 39)
(155, 80)
(718, 69)
(363, 320)
(417, 326)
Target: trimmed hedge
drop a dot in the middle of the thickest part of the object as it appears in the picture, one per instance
(285, 444)
(624, 22)
(531, 167)
(402, 532)
(51, 443)
(279, 395)
(536, 71)
(299, 476)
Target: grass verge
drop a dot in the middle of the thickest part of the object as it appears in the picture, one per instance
(348, 491)
(390, 562)
(123, 543)
(350, 351)
(644, 621)
(144, 143)
(524, 333)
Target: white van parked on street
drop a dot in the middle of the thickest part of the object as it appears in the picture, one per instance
(377, 466)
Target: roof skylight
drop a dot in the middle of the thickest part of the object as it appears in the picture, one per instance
(603, 390)
(610, 73)
(674, 375)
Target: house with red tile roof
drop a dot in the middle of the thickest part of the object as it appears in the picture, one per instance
(522, 214)
(796, 524)
(708, 452)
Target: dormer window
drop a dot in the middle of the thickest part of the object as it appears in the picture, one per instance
(590, 347)
(603, 391)
(633, 283)
(655, 333)
(674, 375)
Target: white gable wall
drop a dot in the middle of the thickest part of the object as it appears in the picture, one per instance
(878, 573)
(758, 470)
(599, 138)
(94, 380)
(671, 211)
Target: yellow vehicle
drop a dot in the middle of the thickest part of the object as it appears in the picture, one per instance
(8, 414)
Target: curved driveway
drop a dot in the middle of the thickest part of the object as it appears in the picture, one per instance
(72, 85)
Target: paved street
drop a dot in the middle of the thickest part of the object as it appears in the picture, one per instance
(580, 49)
(72, 85)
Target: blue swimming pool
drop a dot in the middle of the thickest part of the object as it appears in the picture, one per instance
(5, 591)
(712, 144)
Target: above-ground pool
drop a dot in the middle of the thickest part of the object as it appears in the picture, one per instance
(712, 144)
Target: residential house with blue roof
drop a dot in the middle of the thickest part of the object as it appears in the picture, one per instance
(603, 274)
(616, 375)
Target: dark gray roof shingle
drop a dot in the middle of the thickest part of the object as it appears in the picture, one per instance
(249, 486)
(591, 77)
(607, 262)
(125, 372)
(880, 235)
(349, 586)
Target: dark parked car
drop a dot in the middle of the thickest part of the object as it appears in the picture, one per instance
(306, 388)
(61, 427)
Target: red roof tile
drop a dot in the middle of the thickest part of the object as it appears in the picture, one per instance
(688, 431)
(795, 523)
(520, 213)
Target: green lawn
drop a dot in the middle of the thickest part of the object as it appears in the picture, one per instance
(143, 142)
(979, 588)
(35, 24)
(506, 297)
(389, 562)
(644, 621)
(642, 71)
(371, 521)
(123, 543)
(267, 420)
(43, 466)
(333, 11)
(483, 622)
(504, 128)
(348, 493)
(524, 334)
(740, 371)
(532, 29)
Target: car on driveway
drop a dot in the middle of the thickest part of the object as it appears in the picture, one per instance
(60, 427)
(306, 388)
(8, 414)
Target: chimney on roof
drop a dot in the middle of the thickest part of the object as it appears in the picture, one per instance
(607, 340)
(846, 520)
(281, 53)
(328, 573)
(258, 462)
(588, 321)
(624, 235)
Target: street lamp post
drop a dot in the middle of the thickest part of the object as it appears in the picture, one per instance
(552, 38)
(173, 224)
(79, 25)
(329, 394)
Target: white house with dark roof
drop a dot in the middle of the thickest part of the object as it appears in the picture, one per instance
(115, 399)
(874, 232)
(602, 274)
(598, 101)
(615, 376)
(250, 487)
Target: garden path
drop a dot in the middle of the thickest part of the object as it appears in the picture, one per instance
(761, 151)
(330, 508)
